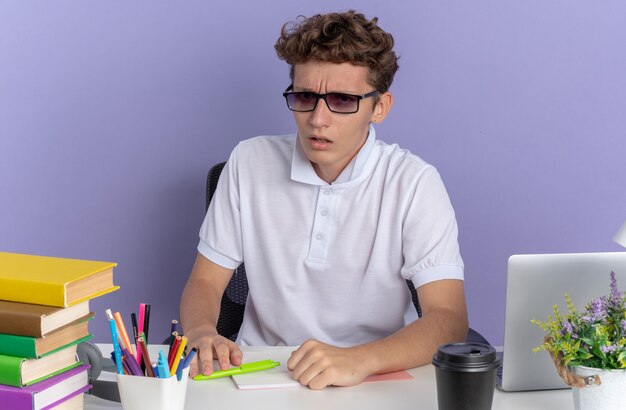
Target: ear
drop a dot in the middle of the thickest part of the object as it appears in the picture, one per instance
(382, 107)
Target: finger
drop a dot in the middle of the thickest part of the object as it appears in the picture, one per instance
(193, 367)
(308, 367)
(313, 375)
(236, 356)
(321, 381)
(222, 354)
(205, 358)
(298, 354)
(295, 358)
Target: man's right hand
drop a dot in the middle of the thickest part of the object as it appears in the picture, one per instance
(210, 347)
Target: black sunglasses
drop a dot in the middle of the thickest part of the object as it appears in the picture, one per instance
(340, 103)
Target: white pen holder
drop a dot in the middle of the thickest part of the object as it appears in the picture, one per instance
(140, 393)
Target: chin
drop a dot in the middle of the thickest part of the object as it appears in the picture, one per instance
(319, 158)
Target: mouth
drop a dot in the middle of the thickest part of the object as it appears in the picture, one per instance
(320, 140)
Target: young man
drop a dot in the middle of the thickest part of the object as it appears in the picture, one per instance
(330, 223)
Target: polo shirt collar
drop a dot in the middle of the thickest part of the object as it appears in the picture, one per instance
(302, 169)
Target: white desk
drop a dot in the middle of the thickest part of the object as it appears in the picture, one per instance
(417, 394)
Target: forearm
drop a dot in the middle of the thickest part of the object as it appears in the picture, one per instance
(199, 309)
(415, 344)
(444, 320)
(201, 298)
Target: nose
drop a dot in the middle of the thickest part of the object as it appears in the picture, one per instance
(321, 116)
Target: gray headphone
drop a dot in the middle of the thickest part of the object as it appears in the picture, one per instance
(89, 353)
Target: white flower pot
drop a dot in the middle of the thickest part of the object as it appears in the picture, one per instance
(608, 395)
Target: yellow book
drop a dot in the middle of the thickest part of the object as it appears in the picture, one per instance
(44, 280)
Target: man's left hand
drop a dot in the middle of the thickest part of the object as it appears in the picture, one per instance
(318, 365)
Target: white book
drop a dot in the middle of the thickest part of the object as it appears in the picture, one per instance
(277, 378)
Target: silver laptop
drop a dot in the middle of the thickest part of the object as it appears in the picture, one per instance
(535, 283)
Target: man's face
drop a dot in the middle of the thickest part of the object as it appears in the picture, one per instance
(330, 140)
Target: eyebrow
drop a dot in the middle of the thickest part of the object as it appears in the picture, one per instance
(309, 90)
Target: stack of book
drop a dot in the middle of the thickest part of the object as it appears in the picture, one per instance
(44, 315)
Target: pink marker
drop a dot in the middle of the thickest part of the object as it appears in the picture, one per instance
(142, 313)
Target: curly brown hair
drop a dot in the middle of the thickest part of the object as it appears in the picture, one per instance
(347, 37)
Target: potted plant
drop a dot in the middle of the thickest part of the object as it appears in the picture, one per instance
(589, 349)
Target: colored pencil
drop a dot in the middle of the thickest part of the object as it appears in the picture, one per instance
(146, 322)
(123, 334)
(178, 355)
(146, 357)
(133, 322)
(172, 353)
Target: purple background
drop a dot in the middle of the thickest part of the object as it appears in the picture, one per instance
(111, 112)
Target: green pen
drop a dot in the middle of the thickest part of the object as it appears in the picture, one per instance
(244, 368)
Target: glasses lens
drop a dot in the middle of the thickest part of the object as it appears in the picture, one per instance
(343, 103)
(301, 101)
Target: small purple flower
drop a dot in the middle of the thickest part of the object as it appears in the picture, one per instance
(614, 300)
(615, 293)
(597, 308)
(608, 349)
(623, 325)
(567, 328)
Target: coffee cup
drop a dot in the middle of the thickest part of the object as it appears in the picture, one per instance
(466, 376)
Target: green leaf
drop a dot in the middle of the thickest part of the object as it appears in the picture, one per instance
(566, 360)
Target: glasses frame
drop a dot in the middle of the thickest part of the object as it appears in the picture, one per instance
(359, 97)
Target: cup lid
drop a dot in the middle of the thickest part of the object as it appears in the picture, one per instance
(466, 355)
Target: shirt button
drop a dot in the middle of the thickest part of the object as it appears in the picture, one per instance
(319, 236)
(326, 191)
(324, 212)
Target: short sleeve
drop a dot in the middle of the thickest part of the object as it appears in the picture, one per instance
(220, 233)
(430, 233)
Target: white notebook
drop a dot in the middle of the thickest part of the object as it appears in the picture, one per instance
(276, 378)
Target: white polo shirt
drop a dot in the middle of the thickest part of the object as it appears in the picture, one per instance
(329, 261)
